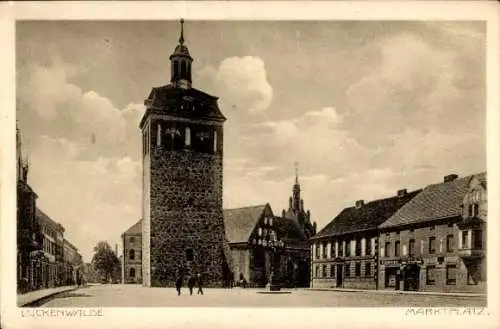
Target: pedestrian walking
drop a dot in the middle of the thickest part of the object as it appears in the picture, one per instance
(200, 284)
(191, 284)
(178, 285)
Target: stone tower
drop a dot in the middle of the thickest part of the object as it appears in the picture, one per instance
(183, 226)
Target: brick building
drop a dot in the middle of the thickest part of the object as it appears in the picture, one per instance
(436, 241)
(132, 254)
(344, 253)
(29, 231)
(183, 225)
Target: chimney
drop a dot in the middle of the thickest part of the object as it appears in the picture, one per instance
(402, 193)
(359, 203)
(450, 178)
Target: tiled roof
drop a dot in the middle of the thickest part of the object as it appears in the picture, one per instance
(368, 216)
(436, 201)
(240, 223)
(43, 217)
(135, 229)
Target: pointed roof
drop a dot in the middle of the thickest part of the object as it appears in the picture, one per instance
(135, 229)
(240, 222)
(365, 217)
(437, 201)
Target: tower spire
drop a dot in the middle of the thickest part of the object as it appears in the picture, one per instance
(181, 38)
(296, 172)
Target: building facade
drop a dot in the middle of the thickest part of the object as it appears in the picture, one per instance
(436, 242)
(183, 225)
(29, 232)
(72, 263)
(344, 253)
(52, 265)
(132, 254)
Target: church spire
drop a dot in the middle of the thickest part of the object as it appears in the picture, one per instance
(181, 63)
(296, 189)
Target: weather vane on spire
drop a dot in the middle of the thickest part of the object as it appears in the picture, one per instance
(181, 39)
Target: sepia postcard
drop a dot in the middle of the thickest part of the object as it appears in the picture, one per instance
(249, 164)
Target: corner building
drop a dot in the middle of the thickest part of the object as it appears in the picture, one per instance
(183, 226)
(436, 242)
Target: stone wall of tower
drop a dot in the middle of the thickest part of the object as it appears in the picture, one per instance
(186, 213)
(146, 214)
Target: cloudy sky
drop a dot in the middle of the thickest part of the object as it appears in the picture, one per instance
(366, 108)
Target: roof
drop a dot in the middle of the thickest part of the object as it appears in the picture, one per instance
(290, 230)
(169, 100)
(367, 217)
(43, 217)
(135, 229)
(240, 223)
(437, 201)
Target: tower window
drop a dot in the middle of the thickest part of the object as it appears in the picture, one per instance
(131, 254)
(187, 133)
(132, 272)
(189, 254)
(215, 141)
(158, 135)
(183, 70)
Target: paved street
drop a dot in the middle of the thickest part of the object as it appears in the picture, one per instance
(137, 296)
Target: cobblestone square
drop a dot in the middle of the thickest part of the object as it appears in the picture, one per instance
(138, 296)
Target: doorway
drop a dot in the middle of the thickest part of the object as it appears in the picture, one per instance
(412, 276)
(340, 275)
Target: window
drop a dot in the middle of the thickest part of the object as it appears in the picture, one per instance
(317, 251)
(411, 248)
(449, 243)
(132, 239)
(465, 239)
(432, 245)
(348, 249)
(451, 274)
(368, 269)
(471, 211)
(332, 271)
(397, 247)
(131, 254)
(357, 269)
(341, 251)
(187, 136)
(347, 270)
(325, 250)
(324, 271)
(332, 249)
(476, 209)
(387, 249)
(131, 272)
(358, 247)
(317, 271)
(270, 221)
(189, 255)
(368, 250)
(477, 239)
(431, 275)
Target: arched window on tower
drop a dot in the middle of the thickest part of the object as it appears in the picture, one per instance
(183, 70)
(131, 254)
(178, 139)
(215, 141)
(187, 135)
(173, 139)
(158, 135)
(175, 72)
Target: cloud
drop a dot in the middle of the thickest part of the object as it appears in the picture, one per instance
(91, 198)
(65, 110)
(240, 82)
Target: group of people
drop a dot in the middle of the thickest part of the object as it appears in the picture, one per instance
(191, 283)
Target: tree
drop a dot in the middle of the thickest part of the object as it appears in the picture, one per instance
(104, 260)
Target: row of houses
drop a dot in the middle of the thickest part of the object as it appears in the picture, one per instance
(431, 239)
(45, 258)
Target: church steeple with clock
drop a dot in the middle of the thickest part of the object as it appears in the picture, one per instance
(183, 227)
